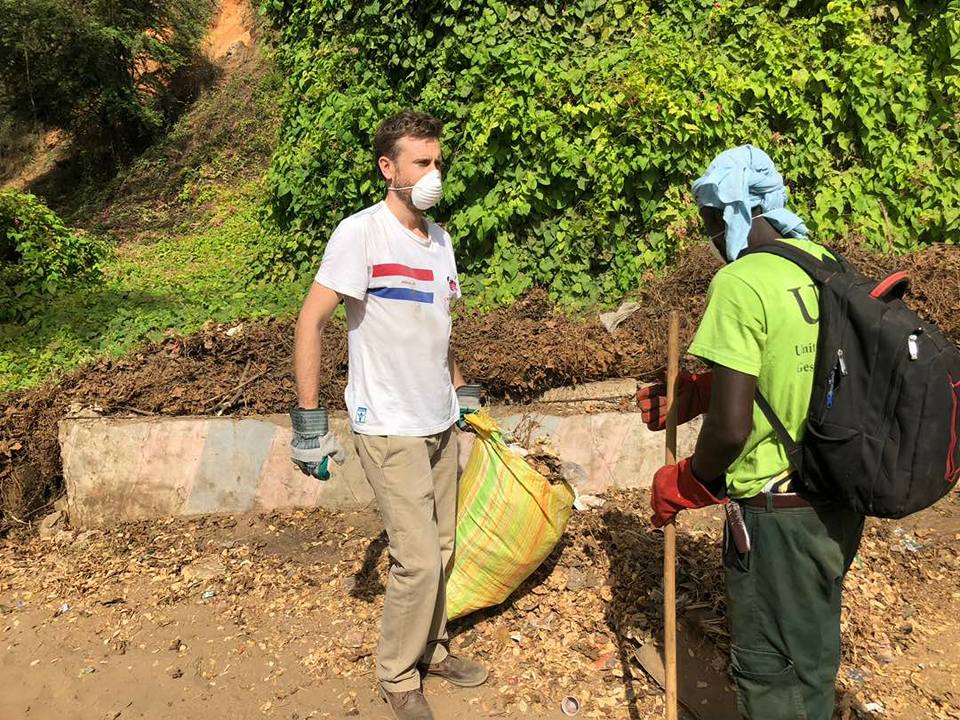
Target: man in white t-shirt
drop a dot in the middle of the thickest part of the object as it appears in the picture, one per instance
(394, 270)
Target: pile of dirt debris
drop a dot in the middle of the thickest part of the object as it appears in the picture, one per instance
(516, 352)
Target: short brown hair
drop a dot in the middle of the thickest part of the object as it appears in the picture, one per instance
(407, 123)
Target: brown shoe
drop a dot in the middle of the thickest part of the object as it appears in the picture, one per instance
(458, 671)
(407, 705)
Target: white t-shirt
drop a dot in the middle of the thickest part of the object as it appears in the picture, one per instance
(397, 289)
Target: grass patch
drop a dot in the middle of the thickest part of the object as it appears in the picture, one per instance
(184, 217)
(171, 285)
(225, 139)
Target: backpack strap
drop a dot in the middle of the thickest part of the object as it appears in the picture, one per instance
(794, 451)
(819, 270)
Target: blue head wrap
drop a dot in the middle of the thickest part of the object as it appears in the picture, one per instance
(739, 180)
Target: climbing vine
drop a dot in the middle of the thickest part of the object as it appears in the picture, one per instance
(574, 129)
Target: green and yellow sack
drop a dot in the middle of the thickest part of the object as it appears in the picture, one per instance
(509, 519)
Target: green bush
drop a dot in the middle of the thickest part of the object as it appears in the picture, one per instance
(574, 128)
(39, 255)
(172, 284)
(105, 71)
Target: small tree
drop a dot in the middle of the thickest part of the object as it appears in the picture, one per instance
(100, 70)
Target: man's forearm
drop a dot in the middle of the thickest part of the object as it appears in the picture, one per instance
(717, 449)
(727, 424)
(318, 308)
(306, 363)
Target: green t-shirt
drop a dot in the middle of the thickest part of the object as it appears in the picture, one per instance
(762, 319)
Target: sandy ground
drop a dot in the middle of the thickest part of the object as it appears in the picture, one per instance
(131, 655)
(231, 24)
(181, 663)
(276, 616)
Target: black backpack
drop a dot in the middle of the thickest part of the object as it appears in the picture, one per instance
(882, 430)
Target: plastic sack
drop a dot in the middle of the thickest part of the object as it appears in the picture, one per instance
(509, 519)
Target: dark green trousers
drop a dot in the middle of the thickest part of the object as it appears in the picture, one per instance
(783, 608)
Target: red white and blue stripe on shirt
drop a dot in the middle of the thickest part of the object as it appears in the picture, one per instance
(396, 270)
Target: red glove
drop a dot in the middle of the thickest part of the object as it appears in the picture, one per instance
(676, 488)
(693, 399)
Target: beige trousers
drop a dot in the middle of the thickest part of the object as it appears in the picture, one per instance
(415, 482)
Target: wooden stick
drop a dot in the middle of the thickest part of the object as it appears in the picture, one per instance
(135, 411)
(231, 401)
(670, 529)
(213, 402)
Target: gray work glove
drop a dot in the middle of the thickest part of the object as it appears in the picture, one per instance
(312, 444)
(468, 396)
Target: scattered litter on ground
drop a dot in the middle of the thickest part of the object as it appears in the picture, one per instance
(908, 542)
(570, 706)
(612, 320)
(587, 502)
(573, 628)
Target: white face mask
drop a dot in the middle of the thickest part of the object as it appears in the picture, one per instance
(426, 192)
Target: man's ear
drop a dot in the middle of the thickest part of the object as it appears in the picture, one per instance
(387, 168)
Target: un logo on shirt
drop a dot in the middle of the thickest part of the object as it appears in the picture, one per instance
(807, 315)
(361, 415)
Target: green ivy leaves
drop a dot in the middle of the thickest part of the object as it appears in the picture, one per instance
(573, 130)
(39, 255)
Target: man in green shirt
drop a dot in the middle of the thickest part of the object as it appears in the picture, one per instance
(784, 575)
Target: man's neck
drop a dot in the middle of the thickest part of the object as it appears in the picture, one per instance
(413, 220)
(762, 233)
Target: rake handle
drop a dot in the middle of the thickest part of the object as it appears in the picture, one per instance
(670, 529)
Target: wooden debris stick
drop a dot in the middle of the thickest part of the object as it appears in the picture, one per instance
(216, 399)
(230, 402)
(670, 529)
(135, 411)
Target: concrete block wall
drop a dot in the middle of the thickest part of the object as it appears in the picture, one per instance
(128, 469)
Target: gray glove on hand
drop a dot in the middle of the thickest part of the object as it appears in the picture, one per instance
(469, 398)
(312, 444)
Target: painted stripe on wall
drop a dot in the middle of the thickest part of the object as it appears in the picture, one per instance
(230, 466)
